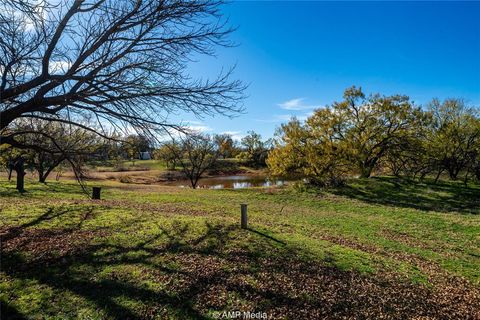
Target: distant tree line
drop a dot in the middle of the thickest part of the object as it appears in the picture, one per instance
(195, 153)
(60, 146)
(362, 135)
(251, 149)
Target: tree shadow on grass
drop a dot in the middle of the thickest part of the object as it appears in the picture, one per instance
(265, 235)
(53, 270)
(51, 213)
(7, 189)
(9, 312)
(428, 196)
(220, 267)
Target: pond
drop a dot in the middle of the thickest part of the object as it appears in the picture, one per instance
(234, 182)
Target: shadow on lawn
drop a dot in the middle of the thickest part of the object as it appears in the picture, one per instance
(9, 312)
(51, 213)
(222, 268)
(7, 189)
(266, 236)
(427, 196)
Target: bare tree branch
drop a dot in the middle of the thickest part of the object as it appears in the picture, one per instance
(122, 62)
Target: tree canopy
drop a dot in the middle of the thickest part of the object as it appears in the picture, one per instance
(360, 135)
(121, 63)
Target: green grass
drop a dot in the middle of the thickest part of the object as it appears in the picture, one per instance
(150, 164)
(130, 165)
(165, 252)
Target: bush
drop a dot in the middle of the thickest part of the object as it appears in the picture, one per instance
(126, 179)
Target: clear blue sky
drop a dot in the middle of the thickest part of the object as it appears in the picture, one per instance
(298, 55)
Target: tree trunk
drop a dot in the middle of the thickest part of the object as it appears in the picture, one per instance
(20, 175)
(195, 176)
(367, 166)
(41, 178)
(10, 169)
(453, 174)
(194, 184)
(422, 176)
(438, 175)
(365, 171)
(396, 172)
(465, 180)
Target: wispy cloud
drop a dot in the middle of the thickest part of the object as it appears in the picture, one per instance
(297, 104)
(195, 126)
(199, 128)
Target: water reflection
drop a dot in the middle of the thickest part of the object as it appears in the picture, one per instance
(236, 182)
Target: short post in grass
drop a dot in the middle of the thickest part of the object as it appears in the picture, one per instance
(96, 192)
(243, 209)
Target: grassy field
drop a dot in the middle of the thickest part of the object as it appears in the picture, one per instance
(380, 247)
(131, 165)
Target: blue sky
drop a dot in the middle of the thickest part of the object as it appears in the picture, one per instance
(296, 56)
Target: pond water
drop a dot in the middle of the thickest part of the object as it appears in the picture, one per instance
(234, 182)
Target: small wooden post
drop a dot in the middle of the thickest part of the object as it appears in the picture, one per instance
(96, 192)
(243, 208)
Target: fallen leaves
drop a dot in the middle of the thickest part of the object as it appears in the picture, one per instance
(278, 282)
(40, 244)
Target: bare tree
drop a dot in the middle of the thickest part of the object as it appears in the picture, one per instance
(124, 63)
(196, 154)
(47, 145)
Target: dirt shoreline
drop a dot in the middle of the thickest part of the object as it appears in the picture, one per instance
(142, 177)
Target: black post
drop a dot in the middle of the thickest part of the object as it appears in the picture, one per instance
(243, 208)
(96, 192)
